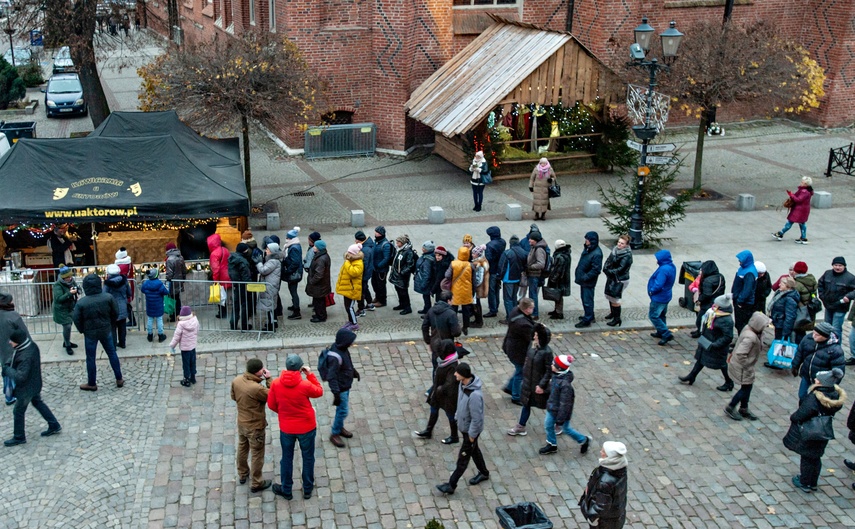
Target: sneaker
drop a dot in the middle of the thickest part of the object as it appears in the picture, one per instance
(371, 306)
(778, 236)
(361, 313)
(801, 241)
(558, 430)
(548, 449)
(517, 430)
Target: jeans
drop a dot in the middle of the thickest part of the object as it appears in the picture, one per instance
(149, 325)
(341, 412)
(21, 409)
(802, 227)
(286, 465)
(803, 387)
(478, 196)
(587, 295)
(525, 413)
(836, 321)
(91, 341)
(742, 396)
(468, 450)
(551, 438)
(657, 315)
(509, 297)
(188, 364)
(493, 294)
(250, 441)
(516, 380)
(533, 285)
(293, 289)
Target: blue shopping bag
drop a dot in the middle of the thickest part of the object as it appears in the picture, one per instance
(9, 390)
(781, 354)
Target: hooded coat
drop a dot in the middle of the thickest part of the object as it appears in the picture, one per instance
(812, 357)
(270, 272)
(340, 375)
(461, 278)
(97, 310)
(559, 274)
(712, 285)
(292, 261)
(661, 283)
(368, 247)
(537, 372)
(820, 400)
(349, 282)
(590, 262)
(403, 266)
(470, 408)
(444, 394)
(440, 323)
(562, 398)
(495, 247)
(318, 282)
(186, 333)
(720, 334)
(425, 273)
(289, 398)
(749, 345)
(63, 301)
(219, 261)
(117, 286)
(744, 283)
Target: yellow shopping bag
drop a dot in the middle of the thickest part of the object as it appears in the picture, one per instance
(214, 293)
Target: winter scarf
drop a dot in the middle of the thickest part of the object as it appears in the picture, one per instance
(450, 359)
(543, 170)
(708, 320)
(289, 242)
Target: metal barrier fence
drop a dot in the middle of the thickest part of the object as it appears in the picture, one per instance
(841, 160)
(358, 139)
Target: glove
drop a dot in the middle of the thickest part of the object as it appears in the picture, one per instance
(356, 374)
(795, 371)
(336, 399)
(531, 190)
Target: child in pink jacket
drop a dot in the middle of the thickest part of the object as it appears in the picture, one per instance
(186, 332)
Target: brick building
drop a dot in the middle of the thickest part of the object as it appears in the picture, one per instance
(374, 54)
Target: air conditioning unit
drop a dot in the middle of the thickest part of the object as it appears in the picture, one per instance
(178, 35)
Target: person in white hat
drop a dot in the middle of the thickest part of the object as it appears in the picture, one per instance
(603, 503)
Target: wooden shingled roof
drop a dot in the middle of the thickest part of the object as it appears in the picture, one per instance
(508, 62)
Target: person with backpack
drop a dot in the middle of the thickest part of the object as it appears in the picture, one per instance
(383, 254)
(537, 267)
(559, 277)
(425, 275)
(511, 267)
(292, 269)
(403, 266)
(493, 253)
(336, 368)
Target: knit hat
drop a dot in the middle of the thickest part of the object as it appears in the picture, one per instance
(254, 365)
(464, 370)
(65, 272)
(293, 362)
(247, 234)
(614, 448)
(535, 236)
(800, 267)
(403, 239)
(122, 253)
(360, 236)
(839, 260)
(185, 311)
(724, 303)
(19, 335)
(153, 273)
(170, 246)
(440, 250)
(321, 245)
(807, 180)
(429, 246)
(314, 236)
(113, 269)
(533, 227)
(273, 247)
(761, 268)
(241, 247)
(292, 234)
(562, 363)
(478, 251)
(824, 329)
(560, 244)
(381, 230)
(467, 238)
(354, 249)
(514, 240)
(826, 378)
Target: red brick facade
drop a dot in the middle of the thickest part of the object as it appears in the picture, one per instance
(374, 54)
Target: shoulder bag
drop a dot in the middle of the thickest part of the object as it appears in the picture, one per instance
(704, 343)
(817, 428)
(554, 191)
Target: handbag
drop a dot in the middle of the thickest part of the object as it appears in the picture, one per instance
(329, 301)
(551, 294)
(803, 317)
(169, 305)
(781, 354)
(814, 305)
(704, 343)
(614, 288)
(817, 428)
(486, 178)
(214, 293)
(554, 191)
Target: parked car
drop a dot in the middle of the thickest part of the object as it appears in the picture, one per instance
(23, 56)
(62, 62)
(64, 95)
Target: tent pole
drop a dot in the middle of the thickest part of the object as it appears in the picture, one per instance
(95, 244)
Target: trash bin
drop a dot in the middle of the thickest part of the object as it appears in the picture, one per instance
(688, 272)
(18, 129)
(524, 515)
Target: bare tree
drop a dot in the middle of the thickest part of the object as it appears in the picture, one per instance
(220, 86)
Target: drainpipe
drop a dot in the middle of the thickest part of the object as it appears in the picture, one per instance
(571, 6)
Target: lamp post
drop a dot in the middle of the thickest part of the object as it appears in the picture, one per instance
(670, 39)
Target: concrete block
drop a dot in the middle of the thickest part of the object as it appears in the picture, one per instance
(821, 200)
(745, 202)
(436, 215)
(357, 218)
(592, 208)
(513, 212)
(273, 223)
(666, 201)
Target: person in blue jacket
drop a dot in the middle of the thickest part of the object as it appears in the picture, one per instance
(154, 291)
(659, 289)
(744, 287)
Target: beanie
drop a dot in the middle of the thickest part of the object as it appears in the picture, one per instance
(614, 448)
(320, 245)
(535, 236)
(241, 247)
(185, 311)
(247, 234)
(314, 236)
(293, 233)
(153, 273)
(403, 239)
(723, 302)
(293, 362)
(824, 329)
(170, 246)
(273, 247)
(254, 365)
(464, 370)
(360, 236)
(19, 335)
(467, 238)
(533, 227)
(838, 260)
(562, 362)
(429, 246)
(826, 378)
(761, 268)
(112, 269)
(122, 253)
(354, 249)
(65, 272)
(560, 243)
(800, 267)
(381, 230)
(440, 250)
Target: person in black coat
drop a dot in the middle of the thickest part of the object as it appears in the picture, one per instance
(403, 266)
(712, 285)
(240, 271)
(340, 377)
(367, 272)
(818, 351)
(587, 272)
(825, 398)
(559, 407)
(850, 424)
(537, 375)
(318, 284)
(616, 271)
(444, 395)
(559, 277)
(93, 316)
(425, 275)
(784, 307)
(440, 323)
(516, 344)
(494, 251)
(60, 243)
(603, 503)
(26, 370)
(717, 325)
(443, 261)
(762, 287)
(836, 290)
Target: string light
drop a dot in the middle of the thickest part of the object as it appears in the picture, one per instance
(144, 225)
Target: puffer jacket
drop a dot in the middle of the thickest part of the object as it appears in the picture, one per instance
(618, 264)
(470, 408)
(318, 282)
(270, 271)
(368, 247)
(219, 261)
(292, 261)
(117, 286)
(537, 372)
(604, 499)
(783, 309)
(186, 333)
(712, 284)
(444, 394)
(96, 311)
(749, 345)
(495, 247)
(812, 357)
(425, 273)
(289, 398)
(460, 274)
(661, 283)
(590, 262)
(519, 336)
(349, 282)
(239, 268)
(384, 251)
(559, 274)
(154, 291)
(536, 259)
(562, 398)
(720, 333)
(403, 266)
(820, 400)
(63, 302)
(175, 269)
(440, 323)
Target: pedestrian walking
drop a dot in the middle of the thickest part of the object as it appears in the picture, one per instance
(711, 284)
(603, 503)
(290, 399)
(799, 205)
(542, 176)
(752, 341)
(494, 250)
(824, 398)
(560, 278)
(806, 286)
(511, 268)
(318, 282)
(438, 324)
(425, 274)
(587, 272)
(93, 317)
(154, 292)
(480, 283)
(270, 272)
(459, 275)
(241, 268)
(659, 289)
(784, 307)
(349, 283)
(714, 343)
(470, 423)
(117, 286)
(444, 394)
(559, 407)
(478, 169)
(762, 287)
(185, 338)
(340, 374)
(25, 369)
(817, 352)
(176, 273)
(443, 262)
(616, 270)
(383, 254)
(536, 378)
(250, 392)
(64, 298)
(743, 289)
(367, 301)
(219, 262)
(292, 273)
(536, 267)
(836, 289)
(516, 344)
(402, 268)
(10, 321)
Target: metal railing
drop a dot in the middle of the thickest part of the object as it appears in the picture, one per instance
(841, 160)
(358, 139)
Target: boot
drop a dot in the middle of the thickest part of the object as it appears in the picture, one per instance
(427, 433)
(746, 413)
(295, 315)
(69, 350)
(479, 316)
(616, 321)
(727, 386)
(611, 315)
(731, 412)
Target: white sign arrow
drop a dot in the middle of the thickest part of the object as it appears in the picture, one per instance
(633, 145)
(661, 147)
(662, 160)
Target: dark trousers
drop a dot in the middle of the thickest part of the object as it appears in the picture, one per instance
(366, 293)
(403, 297)
(295, 296)
(742, 396)
(741, 315)
(510, 291)
(427, 301)
(810, 469)
(21, 409)
(698, 367)
(493, 293)
(478, 196)
(240, 310)
(349, 310)
(378, 282)
(188, 364)
(319, 307)
(120, 332)
(279, 310)
(286, 465)
(468, 450)
(587, 295)
(434, 417)
(467, 313)
(91, 341)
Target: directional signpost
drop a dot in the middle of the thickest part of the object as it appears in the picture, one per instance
(662, 160)
(661, 147)
(633, 145)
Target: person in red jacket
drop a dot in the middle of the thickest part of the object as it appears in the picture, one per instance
(219, 261)
(289, 399)
(799, 210)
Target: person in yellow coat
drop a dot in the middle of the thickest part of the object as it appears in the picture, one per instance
(349, 283)
(460, 275)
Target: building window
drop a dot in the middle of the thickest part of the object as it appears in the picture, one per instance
(271, 7)
(252, 12)
(460, 3)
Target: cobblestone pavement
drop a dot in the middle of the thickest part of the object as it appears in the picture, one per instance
(155, 454)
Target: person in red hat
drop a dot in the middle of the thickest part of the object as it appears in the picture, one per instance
(559, 407)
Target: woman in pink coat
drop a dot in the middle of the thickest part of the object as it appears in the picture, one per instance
(799, 210)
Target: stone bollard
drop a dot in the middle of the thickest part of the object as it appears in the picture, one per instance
(745, 202)
(513, 212)
(273, 223)
(436, 215)
(592, 209)
(357, 218)
(821, 200)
